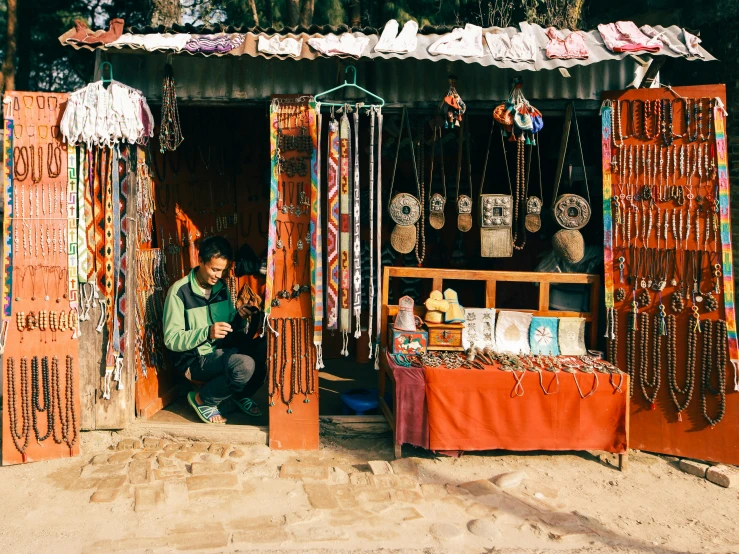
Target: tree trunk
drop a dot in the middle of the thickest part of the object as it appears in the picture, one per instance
(8, 74)
(253, 6)
(293, 13)
(166, 12)
(355, 14)
(306, 12)
(24, 19)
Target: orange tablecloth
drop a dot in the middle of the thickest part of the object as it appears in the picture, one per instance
(477, 410)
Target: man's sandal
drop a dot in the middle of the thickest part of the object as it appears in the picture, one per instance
(246, 405)
(204, 412)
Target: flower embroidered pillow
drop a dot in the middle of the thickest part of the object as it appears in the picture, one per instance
(543, 336)
(512, 332)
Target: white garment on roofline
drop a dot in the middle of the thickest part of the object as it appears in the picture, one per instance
(391, 41)
(460, 42)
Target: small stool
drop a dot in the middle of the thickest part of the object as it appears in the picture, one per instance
(359, 401)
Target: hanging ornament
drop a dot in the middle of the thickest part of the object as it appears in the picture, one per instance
(452, 107)
(170, 132)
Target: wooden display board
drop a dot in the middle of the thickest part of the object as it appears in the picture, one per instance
(656, 426)
(39, 274)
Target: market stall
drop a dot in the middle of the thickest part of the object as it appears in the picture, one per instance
(401, 168)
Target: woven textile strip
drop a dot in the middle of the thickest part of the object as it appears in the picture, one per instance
(90, 221)
(8, 246)
(371, 295)
(99, 217)
(332, 227)
(725, 222)
(378, 238)
(316, 252)
(72, 228)
(108, 273)
(345, 263)
(83, 256)
(274, 195)
(607, 198)
(357, 248)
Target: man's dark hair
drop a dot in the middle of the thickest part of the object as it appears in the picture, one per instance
(215, 247)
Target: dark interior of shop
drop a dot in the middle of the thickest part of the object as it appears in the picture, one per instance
(217, 182)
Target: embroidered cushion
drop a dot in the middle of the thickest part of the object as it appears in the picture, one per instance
(479, 328)
(512, 332)
(572, 336)
(543, 336)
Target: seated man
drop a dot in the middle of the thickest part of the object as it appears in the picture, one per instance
(208, 338)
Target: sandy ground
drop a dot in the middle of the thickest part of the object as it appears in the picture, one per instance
(228, 498)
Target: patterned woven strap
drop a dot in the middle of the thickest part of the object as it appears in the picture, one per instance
(345, 264)
(332, 239)
(316, 253)
(357, 245)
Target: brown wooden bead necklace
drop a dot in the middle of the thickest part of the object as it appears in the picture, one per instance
(654, 382)
(631, 351)
(20, 438)
(709, 366)
(687, 390)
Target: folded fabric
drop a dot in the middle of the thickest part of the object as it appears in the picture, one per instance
(460, 42)
(572, 336)
(84, 35)
(692, 42)
(520, 47)
(347, 44)
(151, 43)
(391, 41)
(543, 336)
(479, 328)
(214, 44)
(512, 332)
(625, 36)
(285, 47)
(572, 47)
(653, 33)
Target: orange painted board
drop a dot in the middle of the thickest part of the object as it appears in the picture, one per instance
(38, 273)
(658, 429)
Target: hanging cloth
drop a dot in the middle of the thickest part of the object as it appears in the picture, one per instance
(719, 114)
(74, 164)
(274, 195)
(316, 246)
(91, 178)
(83, 255)
(357, 245)
(345, 262)
(371, 181)
(332, 225)
(378, 240)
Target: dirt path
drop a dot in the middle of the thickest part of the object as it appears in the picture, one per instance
(165, 497)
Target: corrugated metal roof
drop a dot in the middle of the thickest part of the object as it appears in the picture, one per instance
(598, 51)
(232, 78)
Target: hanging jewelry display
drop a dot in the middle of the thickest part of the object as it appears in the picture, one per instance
(452, 107)
(170, 132)
(437, 202)
(404, 208)
(464, 202)
(534, 203)
(496, 215)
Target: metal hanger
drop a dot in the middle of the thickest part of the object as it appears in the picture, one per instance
(346, 85)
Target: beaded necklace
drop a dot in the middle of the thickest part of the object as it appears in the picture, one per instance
(709, 366)
(12, 410)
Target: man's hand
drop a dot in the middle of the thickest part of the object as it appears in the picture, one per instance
(219, 330)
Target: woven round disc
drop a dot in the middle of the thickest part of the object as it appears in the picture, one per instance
(436, 220)
(569, 245)
(403, 238)
(464, 222)
(533, 222)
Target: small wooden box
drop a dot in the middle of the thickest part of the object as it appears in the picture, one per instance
(407, 342)
(445, 336)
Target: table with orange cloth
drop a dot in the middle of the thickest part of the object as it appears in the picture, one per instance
(470, 409)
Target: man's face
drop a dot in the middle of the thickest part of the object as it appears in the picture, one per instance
(211, 271)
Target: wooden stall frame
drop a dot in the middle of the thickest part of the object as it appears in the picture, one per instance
(491, 279)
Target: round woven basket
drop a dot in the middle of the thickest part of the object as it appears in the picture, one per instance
(403, 238)
(569, 245)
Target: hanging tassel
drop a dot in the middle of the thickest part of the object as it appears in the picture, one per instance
(735, 364)
(344, 343)
(608, 324)
(357, 332)
(319, 355)
(371, 350)
(377, 356)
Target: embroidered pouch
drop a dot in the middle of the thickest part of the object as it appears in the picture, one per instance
(543, 336)
(479, 328)
(512, 332)
(572, 336)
